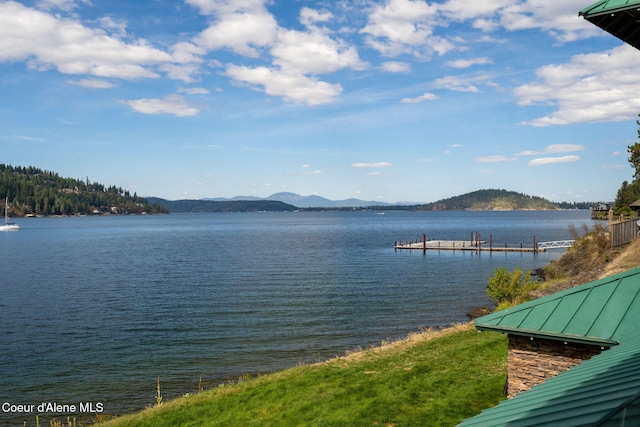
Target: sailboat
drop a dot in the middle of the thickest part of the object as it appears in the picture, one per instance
(8, 225)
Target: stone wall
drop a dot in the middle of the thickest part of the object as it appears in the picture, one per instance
(533, 361)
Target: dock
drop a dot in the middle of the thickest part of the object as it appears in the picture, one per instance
(473, 244)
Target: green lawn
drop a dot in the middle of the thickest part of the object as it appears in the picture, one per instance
(429, 379)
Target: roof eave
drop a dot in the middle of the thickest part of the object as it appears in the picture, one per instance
(588, 12)
(597, 341)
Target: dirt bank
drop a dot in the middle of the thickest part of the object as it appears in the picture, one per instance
(588, 266)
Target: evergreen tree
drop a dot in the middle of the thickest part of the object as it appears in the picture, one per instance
(34, 191)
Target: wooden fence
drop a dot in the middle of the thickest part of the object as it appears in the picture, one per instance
(623, 232)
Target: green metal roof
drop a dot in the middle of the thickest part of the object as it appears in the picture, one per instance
(617, 17)
(605, 388)
(603, 312)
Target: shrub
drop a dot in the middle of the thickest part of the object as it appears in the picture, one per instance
(510, 287)
(589, 253)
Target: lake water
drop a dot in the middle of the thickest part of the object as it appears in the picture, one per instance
(95, 309)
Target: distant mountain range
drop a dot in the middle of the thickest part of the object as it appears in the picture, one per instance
(306, 201)
(477, 200)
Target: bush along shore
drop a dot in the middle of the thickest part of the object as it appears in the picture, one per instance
(433, 377)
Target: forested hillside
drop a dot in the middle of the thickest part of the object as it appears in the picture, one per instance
(491, 200)
(201, 206)
(33, 191)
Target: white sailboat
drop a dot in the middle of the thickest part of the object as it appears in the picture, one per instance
(8, 225)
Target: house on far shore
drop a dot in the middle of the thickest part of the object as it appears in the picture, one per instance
(601, 211)
(574, 357)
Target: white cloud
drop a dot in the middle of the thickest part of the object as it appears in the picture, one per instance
(309, 17)
(187, 58)
(554, 149)
(66, 5)
(456, 84)
(292, 87)
(405, 27)
(395, 67)
(372, 165)
(119, 28)
(559, 19)
(240, 32)
(186, 53)
(587, 89)
(45, 41)
(313, 52)
(221, 7)
(424, 97)
(296, 57)
(398, 27)
(551, 160)
(195, 91)
(92, 83)
(313, 172)
(494, 159)
(402, 26)
(466, 63)
(171, 104)
(463, 10)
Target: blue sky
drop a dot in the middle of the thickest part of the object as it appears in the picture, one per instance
(391, 100)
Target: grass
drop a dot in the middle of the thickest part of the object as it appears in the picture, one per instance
(432, 378)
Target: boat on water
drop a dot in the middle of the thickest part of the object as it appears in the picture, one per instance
(7, 226)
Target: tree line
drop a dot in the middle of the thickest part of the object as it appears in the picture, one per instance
(33, 191)
(225, 206)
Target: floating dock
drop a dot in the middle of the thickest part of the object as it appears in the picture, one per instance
(473, 244)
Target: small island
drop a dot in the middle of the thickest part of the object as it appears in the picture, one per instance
(497, 200)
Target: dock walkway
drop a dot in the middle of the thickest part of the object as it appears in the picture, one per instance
(474, 244)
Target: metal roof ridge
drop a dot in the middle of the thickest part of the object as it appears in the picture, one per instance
(597, 316)
(627, 310)
(575, 311)
(529, 310)
(557, 301)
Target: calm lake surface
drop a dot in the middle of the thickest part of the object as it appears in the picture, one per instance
(95, 309)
